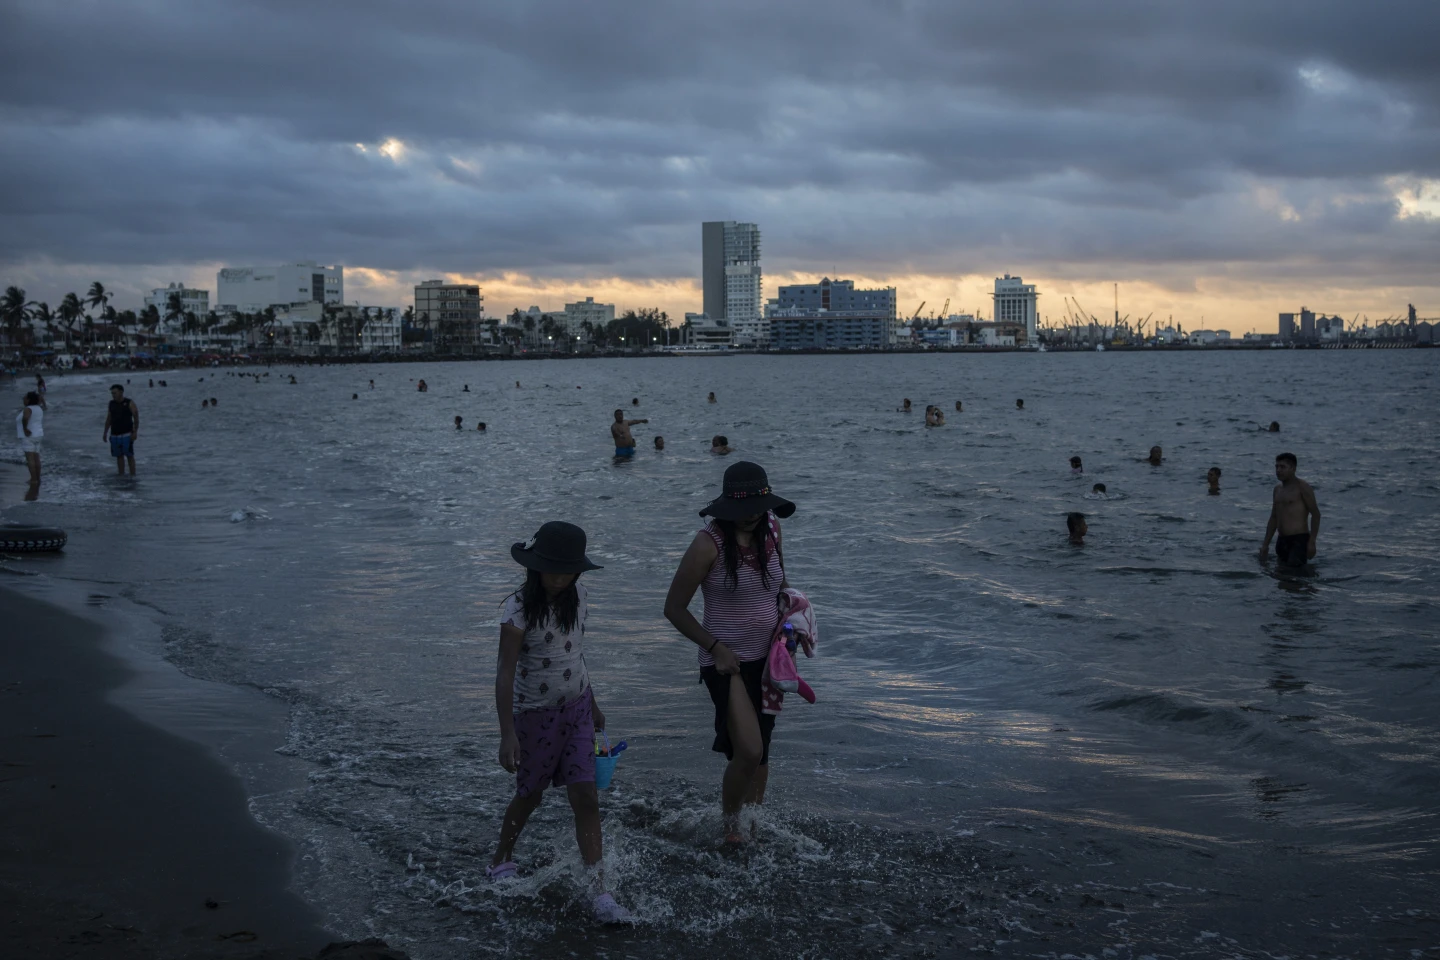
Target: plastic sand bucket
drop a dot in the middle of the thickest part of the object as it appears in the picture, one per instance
(605, 765)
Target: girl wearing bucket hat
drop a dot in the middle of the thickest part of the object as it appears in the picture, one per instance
(548, 713)
(735, 560)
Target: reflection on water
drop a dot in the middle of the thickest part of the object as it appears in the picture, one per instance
(1012, 735)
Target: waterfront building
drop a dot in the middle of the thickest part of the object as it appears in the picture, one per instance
(252, 289)
(1424, 332)
(821, 330)
(705, 331)
(839, 296)
(1287, 327)
(455, 312)
(599, 315)
(1015, 303)
(192, 300)
(1307, 325)
(730, 270)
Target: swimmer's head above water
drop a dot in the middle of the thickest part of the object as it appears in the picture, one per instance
(1076, 525)
(1098, 488)
(1155, 456)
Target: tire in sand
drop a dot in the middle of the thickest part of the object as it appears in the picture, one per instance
(17, 539)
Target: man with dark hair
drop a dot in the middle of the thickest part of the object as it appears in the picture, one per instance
(122, 427)
(1212, 477)
(624, 439)
(1294, 502)
(1075, 523)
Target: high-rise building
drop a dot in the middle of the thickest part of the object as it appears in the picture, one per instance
(454, 311)
(1015, 303)
(252, 289)
(730, 270)
(1287, 327)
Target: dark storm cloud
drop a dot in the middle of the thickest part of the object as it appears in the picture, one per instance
(566, 138)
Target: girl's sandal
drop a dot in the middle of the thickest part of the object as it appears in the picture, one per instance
(502, 871)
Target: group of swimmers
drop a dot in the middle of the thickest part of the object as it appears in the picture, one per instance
(1294, 513)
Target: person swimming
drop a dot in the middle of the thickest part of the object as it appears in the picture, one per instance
(711, 398)
(467, 389)
(1098, 490)
(458, 422)
(720, 445)
(1077, 467)
(1274, 426)
(659, 443)
(904, 406)
(959, 407)
(1019, 404)
(1212, 477)
(480, 427)
(1076, 525)
(1155, 457)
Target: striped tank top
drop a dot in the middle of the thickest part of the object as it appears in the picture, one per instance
(742, 617)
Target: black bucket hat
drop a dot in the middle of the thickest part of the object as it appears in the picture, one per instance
(557, 547)
(746, 492)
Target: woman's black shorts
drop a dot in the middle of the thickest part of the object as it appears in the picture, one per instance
(719, 686)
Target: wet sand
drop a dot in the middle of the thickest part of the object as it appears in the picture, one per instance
(113, 833)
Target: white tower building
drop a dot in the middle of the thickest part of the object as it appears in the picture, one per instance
(1015, 303)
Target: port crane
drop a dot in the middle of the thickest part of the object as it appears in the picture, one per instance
(916, 315)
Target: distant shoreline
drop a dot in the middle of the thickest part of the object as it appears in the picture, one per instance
(299, 359)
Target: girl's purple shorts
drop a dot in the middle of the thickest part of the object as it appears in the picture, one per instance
(557, 746)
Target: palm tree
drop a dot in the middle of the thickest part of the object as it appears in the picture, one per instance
(150, 318)
(174, 308)
(494, 324)
(529, 325)
(15, 312)
(98, 297)
(45, 317)
(70, 313)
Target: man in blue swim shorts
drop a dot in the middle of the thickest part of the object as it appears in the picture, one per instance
(624, 439)
(122, 426)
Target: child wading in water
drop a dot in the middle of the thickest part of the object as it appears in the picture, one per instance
(548, 713)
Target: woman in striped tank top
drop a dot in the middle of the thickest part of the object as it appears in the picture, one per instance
(736, 562)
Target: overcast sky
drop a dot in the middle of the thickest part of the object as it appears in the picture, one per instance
(1216, 158)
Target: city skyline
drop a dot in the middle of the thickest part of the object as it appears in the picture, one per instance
(1223, 164)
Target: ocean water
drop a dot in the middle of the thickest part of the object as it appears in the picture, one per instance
(1153, 744)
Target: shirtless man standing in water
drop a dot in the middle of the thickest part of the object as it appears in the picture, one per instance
(1294, 501)
(624, 439)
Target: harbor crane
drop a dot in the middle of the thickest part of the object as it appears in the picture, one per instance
(916, 315)
(945, 310)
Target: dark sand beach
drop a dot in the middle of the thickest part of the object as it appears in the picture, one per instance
(113, 833)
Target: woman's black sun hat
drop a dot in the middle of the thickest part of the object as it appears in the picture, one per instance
(557, 547)
(746, 492)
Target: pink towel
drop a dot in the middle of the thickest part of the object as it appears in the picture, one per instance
(781, 676)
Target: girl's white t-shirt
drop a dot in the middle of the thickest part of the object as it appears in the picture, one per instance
(551, 669)
(37, 424)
